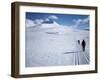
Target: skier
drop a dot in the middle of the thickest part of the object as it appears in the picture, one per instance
(78, 41)
(83, 45)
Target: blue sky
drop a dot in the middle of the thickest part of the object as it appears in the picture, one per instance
(80, 21)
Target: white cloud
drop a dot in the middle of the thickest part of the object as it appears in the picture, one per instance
(86, 20)
(78, 22)
(47, 19)
(29, 23)
(38, 21)
(53, 17)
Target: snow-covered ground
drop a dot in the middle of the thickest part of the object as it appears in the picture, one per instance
(55, 45)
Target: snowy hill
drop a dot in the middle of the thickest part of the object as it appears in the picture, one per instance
(52, 27)
(52, 44)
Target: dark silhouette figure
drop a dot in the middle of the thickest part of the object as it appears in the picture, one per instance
(83, 45)
(78, 41)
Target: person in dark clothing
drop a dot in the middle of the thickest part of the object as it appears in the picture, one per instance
(83, 45)
(78, 41)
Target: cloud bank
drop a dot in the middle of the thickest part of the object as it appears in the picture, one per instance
(31, 23)
(80, 22)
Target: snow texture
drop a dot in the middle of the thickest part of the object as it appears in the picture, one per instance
(55, 45)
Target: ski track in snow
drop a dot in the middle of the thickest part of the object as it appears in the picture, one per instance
(44, 49)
